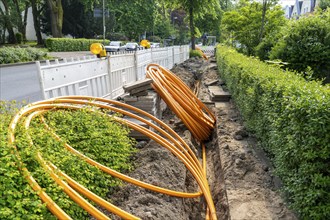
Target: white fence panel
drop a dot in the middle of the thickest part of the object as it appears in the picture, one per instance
(170, 55)
(143, 58)
(159, 56)
(104, 77)
(75, 77)
(122, 71)
(186, 52)
(176, 54)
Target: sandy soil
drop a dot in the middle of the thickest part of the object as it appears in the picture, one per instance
(239, 174)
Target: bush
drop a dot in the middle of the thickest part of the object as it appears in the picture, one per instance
(97, 136)
(16, 55)
(195, 53)
(17, 199)
(291, 118)
(306, 43)
(68, 44)
(19, 38)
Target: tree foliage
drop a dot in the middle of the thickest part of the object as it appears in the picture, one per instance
(243, 26)
(11, 17)
(324, 4)
(306, 43)
(196, 9)
(133, 17)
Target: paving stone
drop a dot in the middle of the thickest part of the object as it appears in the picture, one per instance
(212, 83)
(142, 93)
(129, 98)
(138, 84)
(139, 89)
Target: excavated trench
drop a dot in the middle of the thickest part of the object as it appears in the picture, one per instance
(240, 177)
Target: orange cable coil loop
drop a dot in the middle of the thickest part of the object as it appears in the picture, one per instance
(182, 101)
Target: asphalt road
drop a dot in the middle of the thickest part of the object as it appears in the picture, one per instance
(20, 82)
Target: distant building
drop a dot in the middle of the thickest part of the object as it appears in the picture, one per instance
(300, 8)
(296, 11)
(288, 11)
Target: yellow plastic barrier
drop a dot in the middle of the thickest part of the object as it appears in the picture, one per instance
(183, 102)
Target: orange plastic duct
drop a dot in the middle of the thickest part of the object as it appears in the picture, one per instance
(180, 99)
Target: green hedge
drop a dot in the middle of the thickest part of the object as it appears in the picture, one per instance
(68, 44)
(97, 136)
(291, 117)
(16, 55)
(306, 43)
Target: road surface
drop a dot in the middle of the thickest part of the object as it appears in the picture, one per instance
(20, 82)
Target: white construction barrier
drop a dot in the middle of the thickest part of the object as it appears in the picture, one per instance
(104, 77)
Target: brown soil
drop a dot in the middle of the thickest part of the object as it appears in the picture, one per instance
(240, 176)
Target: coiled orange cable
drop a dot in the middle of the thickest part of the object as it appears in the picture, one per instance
(182, 101)
(165, 136)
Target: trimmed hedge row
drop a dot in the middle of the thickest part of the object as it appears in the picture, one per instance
(291, 117)
(68, 44)
(16, 55)
(97, 136)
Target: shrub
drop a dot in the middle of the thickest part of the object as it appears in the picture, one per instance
(195, 53)
(15, 55)
(19, 37)
(291, 118)
(306, 43)
(68, 44)
(17, 199)
(97, 136)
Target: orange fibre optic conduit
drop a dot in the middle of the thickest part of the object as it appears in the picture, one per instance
(203, 54)
(175, 144)
(182, 101)
(185, 104)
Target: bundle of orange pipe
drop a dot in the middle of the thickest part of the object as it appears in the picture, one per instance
(163, 135)
(182, 101)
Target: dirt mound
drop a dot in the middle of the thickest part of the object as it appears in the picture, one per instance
(239, 175)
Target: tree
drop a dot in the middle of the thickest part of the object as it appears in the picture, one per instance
(210, 23)
(133, 17)
(37, 8)
(195, 9)
(21, 22)
(324, 4)
(2, 26)
(305, 43)
(56, 17)
(246, 27)
(8, 22)
(263, 16)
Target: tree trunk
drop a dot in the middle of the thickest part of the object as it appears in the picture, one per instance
(56, 17)
(192, 26)
(36, 21)
(27, 5)
(3, 29)
(8, 24)
(20, 25)
(263, 19)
